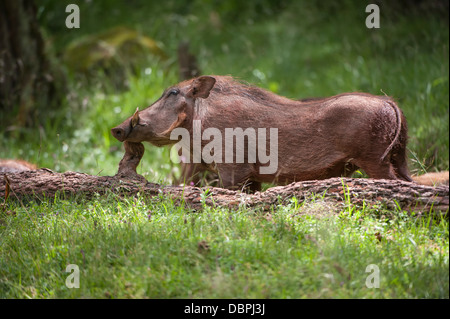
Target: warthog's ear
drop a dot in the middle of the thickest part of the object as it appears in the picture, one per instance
(135, 118)
(201, 87)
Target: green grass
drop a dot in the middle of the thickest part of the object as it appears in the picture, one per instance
(144, 248)
(302, 250)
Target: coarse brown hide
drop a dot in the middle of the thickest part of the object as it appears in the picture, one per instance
(317, 138)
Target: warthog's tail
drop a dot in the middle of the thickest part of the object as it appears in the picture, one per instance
(399, 128)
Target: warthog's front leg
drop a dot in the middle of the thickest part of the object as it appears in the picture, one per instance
(130, 161)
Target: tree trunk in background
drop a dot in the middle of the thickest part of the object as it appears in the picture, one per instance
(30, 85)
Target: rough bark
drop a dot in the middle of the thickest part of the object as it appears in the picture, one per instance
(406, 195)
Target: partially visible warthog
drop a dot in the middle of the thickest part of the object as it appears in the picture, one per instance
(317, 138)
(15, 166)
(432, 179)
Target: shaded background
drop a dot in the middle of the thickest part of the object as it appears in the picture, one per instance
(125, 54)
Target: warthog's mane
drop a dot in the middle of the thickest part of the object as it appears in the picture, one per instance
(230, 86)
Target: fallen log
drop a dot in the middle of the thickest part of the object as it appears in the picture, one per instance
(357, 191)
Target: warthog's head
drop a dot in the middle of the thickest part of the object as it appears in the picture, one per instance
(171, 110)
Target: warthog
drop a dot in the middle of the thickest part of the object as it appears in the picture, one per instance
(432, 179)
(15, 166)
(312, 139)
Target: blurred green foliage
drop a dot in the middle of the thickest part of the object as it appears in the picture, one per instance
(295, 48)
(120, 45)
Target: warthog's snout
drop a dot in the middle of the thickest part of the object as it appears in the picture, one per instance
(118, 133)
(122, 131)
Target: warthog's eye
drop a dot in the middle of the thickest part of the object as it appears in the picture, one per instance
(173, 92)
